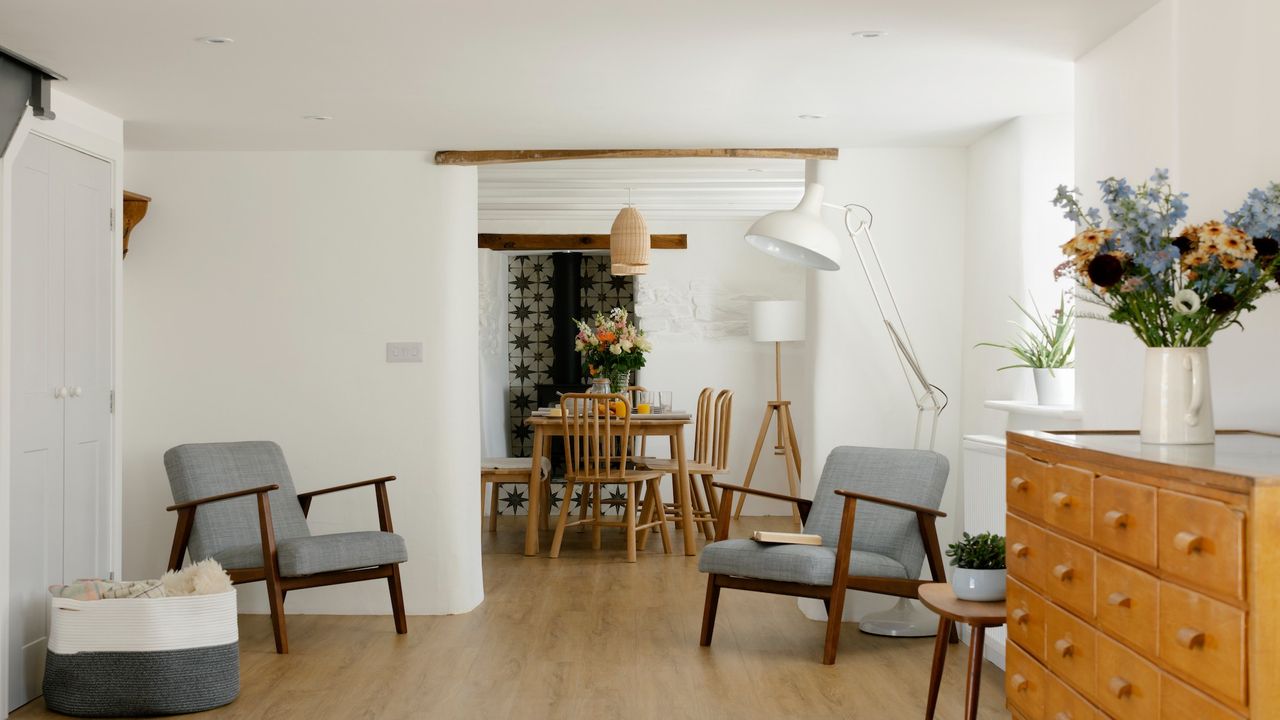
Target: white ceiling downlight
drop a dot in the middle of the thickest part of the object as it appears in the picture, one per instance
(811, 116)
(869, 34)
(318, 118)
(215, 40)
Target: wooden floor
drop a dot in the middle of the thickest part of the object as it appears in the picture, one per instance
(589, 636)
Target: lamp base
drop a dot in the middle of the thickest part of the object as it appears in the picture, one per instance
(906, 619)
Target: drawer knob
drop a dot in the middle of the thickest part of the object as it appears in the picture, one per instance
(1061, 499)
(1120, 687)
(1065, 647)
(1019, 484)
(1018, 682)
(1063, 572)
(1188, 542)
(1116, 519)
(1020, 616)
(1190, 638)
(1119, 599)
(1020, 550)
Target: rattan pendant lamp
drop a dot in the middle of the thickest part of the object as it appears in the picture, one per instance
(629, 242)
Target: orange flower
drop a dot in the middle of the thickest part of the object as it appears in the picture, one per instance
(607, 336)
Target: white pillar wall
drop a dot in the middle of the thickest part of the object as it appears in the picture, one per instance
(857, 393)
(260, 293)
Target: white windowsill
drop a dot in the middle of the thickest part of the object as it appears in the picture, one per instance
(1061, 412)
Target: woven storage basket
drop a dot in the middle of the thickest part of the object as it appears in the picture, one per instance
(143, 656)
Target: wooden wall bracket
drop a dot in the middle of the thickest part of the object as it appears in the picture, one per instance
(135, 208)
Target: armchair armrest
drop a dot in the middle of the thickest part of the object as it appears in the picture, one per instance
(892, 503)
(722, 522)
(348, 486)
(225, 496)
(380, 494)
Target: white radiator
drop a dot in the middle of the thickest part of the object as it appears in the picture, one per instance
(984, 507)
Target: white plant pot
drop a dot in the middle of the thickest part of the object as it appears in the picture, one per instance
(1177, 404)
(979, 585)
(1055, 387)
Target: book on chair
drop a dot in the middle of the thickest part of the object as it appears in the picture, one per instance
(785, 538)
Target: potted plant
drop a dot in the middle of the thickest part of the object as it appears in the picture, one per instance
(979, 563)
(1046, 347)
(1174, 284)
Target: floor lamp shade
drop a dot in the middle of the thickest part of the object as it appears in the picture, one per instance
(777, 321)
(798, 235)
(629, 243)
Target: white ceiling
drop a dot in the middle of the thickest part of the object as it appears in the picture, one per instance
(466, 74)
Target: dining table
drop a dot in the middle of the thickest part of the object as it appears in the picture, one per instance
(669, 425)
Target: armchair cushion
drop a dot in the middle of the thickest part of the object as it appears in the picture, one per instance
(805, 564)
(912, 476)
(322, 553)
(206, 469)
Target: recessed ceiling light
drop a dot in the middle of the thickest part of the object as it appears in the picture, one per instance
(755, 169)
(870, 34)
(215, 40)
(317, 117)
(811, 116)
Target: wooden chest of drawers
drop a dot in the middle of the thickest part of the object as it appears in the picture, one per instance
(1144, 580)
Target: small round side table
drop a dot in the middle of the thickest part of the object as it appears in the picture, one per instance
(979, 616)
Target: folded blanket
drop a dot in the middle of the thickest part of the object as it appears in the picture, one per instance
(203, 578)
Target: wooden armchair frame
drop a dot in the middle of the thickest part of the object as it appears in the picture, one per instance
(277, 586)
(833, 595)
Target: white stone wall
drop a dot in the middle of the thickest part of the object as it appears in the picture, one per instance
(703, 309)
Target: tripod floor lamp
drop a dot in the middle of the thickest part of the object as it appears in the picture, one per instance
(777, 321)
(800, 236)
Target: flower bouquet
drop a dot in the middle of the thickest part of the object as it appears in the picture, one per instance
(1174, 284)
(611, 346)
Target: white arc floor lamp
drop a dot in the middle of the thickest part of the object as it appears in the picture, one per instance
(800, 236)
(777, 321)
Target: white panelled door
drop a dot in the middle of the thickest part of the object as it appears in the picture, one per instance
(59, 528)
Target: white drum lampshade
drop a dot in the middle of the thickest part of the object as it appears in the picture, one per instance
(777, 321)
(629, 243)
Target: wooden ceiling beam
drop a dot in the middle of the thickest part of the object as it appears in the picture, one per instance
(494, 157)
(544, 243)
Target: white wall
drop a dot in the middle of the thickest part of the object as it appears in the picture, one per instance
(90, 130)
(494, 441)
(1158, 95)
(1012, 236)
(695, 304)
(260, 292)
(859, 396)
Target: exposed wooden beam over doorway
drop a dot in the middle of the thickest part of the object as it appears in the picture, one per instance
(544, 243)
(493, 157)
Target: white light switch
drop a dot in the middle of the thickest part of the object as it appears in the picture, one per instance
(404, 352)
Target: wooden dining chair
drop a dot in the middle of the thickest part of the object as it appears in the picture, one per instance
(712, 426)
(510, 471)
(597, 442)
(639, 443)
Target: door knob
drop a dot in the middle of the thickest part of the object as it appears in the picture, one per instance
(77, 391)
(59, 392)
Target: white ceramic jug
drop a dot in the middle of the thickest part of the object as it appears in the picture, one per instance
(1177, 406)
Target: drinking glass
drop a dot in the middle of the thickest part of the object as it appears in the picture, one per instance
(664, 401)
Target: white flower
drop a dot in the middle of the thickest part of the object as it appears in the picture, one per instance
(616, 349)
(1185, 301)
(625, 345)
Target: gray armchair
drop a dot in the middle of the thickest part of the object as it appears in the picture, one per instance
(236, 504)
(875, 510)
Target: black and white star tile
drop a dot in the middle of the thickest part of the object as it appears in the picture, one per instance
(514, 499)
